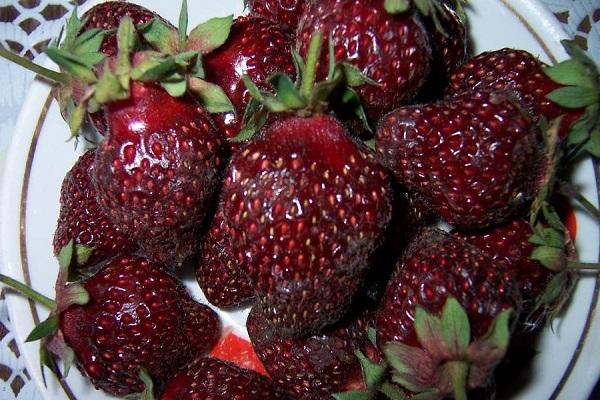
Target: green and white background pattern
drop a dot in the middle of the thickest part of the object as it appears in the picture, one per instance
(26, 27)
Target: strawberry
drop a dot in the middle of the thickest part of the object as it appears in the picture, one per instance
(255, 47)
(446, 317)
(107, 16)
(284, 12)
(214, 379)
(567, 89)
(218, 273)
(475, 158)
(82, 221)
(314, 367)
(157, 169)
(390, 49)
(128, 324)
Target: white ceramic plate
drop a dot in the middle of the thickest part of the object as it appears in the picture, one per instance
(40, 156)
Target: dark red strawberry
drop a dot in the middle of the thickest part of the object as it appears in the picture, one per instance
(509, 244)
(315, 367)
(392, 50)
(157, 170)
(82, 221)
(218, 272)
(475, 158)
(446, 317)
(307, 206)
(284, 12)
(210, 378)
(516, 70)
(257, 48)
(107, 17)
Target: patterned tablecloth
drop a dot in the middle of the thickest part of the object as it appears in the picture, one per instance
(26, 27)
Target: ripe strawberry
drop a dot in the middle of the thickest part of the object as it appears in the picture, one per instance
(138, 316)
(284, 12)
(392, 50)
(315, 367)
(446, 317)
(519, 71)
(307, 206)
(156, 171)
(82, 221)
(218, 272)
(107, 16)
(257, 48)
(474, 158)
(210, 378)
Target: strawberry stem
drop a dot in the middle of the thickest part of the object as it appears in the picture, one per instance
(581, 266)
(33, 67)
(458, 371)
(27, 291)
(568, 190)
(310, 74)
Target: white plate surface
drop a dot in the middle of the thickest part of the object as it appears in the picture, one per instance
(40, 156)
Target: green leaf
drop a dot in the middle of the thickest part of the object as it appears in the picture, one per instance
(211, 96)
(126, 40)
(456, 329)
(554, 289)
(251, 109)
(74, 293)
(252, 88)
(423, 6)
(498, 334)
(198, 69)
(254, 124)
(287, 92)
(160, 36)
(405, 361)
(577, 53)
(47, 360)
(43, 329)
(392, 391)
(183, 24)
(354, 77)
(73, 26)
(109, 88)
(548, 237)
(151, 69)
(593, 144)
(428, 328)
(332, 61)
(570, 73)
(573, 96)
(65, 256)
(552, 217)
(68, 358)
(274, 104)
(550, 257)
(175, 85)
(209, 35)
(373, 373)
(352, 395)
(396, 6)
(298, 64)
(372, 334)
(77, 118)
(351, 99)
(71, 64)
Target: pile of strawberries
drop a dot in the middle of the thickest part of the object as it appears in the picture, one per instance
(302, 159)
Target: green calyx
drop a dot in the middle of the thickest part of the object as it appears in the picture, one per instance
(428, 8)
(449, 361)
(305, 96)
(580, 81)
(148, 392)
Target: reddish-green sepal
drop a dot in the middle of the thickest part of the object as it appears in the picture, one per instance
(148, 392)
(45, 328)
(71, 64)
(209, 35)
(407, 364)
(211, 96)
(47, 360)
(183, 25)
(160, 36)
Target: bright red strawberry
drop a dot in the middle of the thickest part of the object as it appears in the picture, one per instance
(257, 48)
(392, 50)
(475, 158)
(519, 71)
(284, 12)
(218, 272)
(138, 316)
(157, 170)
(307, 206)
(509, 244)
(446, 317)
(107, 16)
(210, 378)
(81, 219)
(315, 367)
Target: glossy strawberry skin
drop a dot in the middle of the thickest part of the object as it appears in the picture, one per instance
(82, 220)
(138, 316)
(392, 50)
(255, 47)
(519, 71)
(435, 266)
(157, 171)
(315, 367)
(210, 378)
(218, 272)
(284, 12)
(307, 206)
(509, 244)
(475, 158)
